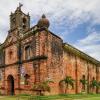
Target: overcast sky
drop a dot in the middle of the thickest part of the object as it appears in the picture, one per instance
(77, 22)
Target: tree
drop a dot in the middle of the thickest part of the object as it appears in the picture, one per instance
(93, 84)
(84, 83)
(42, 87)
(68, 81)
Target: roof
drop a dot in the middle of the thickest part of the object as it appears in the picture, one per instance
(66, 46)
(79, 53)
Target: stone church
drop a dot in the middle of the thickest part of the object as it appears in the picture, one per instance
(31, 55)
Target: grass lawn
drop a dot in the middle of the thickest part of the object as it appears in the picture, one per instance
(55, 97)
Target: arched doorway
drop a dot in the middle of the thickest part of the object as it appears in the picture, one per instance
(10, 82)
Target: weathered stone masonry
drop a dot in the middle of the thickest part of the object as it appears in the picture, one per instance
(32, 55)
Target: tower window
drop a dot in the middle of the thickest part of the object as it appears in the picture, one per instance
(24, 20)
(24, 23)
(24, 26)
(27, 52)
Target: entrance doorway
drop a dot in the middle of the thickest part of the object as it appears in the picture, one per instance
(10, 80)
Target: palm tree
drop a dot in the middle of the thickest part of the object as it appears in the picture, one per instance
(84, 83)
(42, 87)
(93, 84)
(68, 81)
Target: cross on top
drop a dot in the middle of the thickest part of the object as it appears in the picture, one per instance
(20, 5)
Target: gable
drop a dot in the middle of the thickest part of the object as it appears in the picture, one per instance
(11, 38)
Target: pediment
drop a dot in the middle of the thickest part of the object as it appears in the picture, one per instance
(11, 38)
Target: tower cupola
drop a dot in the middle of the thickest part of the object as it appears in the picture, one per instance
(18, 19)
(43, 22)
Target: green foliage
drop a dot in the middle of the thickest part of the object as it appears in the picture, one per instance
(23, 94)
(68, 81)
(98, 85)
(43, 86)
(54, 97)
(94, 84)
(83, 81)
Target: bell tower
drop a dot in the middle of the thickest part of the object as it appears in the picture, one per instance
(18, 19)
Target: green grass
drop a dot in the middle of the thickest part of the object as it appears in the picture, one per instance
(54, 97)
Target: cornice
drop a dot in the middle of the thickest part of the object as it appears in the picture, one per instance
(79, 53)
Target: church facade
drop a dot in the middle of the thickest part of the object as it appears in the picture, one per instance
(32, 55)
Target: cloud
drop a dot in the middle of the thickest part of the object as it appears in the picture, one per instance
(69, 12)
(90, 45)
(64, 16)
(92, 38)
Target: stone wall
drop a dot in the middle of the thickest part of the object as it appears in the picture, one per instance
(48, 60)
(76, 67)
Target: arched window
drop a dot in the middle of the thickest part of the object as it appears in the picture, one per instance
(24, 26)
(26, 81)
(27, 52)
(93, 78)
(10, 54)
(83, 81)
(24, 20)
(83, 76)
(24, 23)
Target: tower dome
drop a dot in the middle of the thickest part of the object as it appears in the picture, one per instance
(43, 22)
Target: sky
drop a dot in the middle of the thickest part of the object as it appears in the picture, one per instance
(77, 22)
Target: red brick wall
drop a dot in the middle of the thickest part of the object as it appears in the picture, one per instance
(14, 57)
(11, 70)
(59, 64)
(71, 62)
